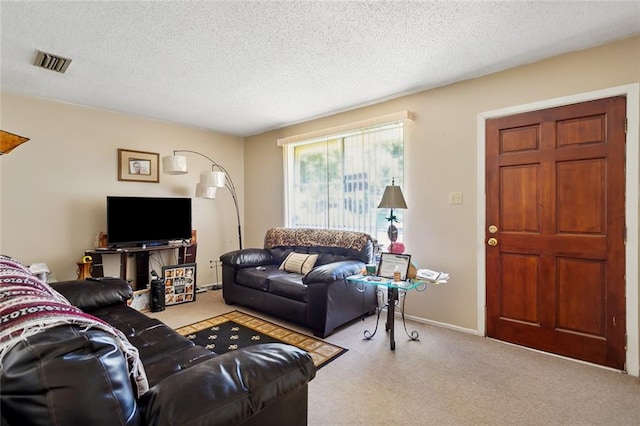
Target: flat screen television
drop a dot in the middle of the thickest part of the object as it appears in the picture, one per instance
(147, 220)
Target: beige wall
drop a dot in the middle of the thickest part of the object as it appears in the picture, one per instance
(441, 157)
(54, 186)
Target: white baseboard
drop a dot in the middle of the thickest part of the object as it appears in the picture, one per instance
(439, 324)
(204, 287)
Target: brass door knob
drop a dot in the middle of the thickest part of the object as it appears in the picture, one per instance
(492, 242)
(493, 229)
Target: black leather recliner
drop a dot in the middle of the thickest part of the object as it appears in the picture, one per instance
(67, 375)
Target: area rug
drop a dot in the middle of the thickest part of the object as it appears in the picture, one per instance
(235, 330)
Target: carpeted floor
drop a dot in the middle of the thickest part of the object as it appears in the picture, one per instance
(446, 378)
(235, 330)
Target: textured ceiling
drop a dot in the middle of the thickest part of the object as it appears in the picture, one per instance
(246, 67)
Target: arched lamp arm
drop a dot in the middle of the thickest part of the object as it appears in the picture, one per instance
(228, 184)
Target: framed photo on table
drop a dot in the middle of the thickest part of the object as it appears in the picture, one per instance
(390, 261)
(179, 283)
(138, 166)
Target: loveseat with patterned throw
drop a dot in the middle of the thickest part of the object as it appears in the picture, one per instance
(300, 276)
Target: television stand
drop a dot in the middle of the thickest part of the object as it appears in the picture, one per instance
(186, 254)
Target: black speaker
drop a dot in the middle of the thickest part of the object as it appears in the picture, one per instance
(157, 295)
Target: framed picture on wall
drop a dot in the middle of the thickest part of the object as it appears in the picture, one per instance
(179, 283)
(138, 166)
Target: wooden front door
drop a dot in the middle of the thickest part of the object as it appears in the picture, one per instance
(555, 195)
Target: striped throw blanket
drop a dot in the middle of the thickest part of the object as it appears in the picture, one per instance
(29, 306)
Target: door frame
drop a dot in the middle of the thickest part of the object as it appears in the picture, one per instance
(632, 93)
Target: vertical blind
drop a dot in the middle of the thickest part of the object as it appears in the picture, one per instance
(337, 181)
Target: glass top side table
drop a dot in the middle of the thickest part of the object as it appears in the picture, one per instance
(396, 290)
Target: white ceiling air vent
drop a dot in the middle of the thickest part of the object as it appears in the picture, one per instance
(51, 62)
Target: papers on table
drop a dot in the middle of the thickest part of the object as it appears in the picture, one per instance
(433, 277)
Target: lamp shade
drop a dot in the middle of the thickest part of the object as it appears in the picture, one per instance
(208, 192)
(216, 179)
(220, 179)
(8, 141)
(174, 165)
(392, 198)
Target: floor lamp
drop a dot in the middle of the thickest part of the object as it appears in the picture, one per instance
(392, 198)
(209, 182)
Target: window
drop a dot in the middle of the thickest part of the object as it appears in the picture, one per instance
(337, 181)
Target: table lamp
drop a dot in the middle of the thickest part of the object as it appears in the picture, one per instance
(392, 198)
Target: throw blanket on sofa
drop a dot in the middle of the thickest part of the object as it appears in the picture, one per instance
(308, 237)
(29, 306)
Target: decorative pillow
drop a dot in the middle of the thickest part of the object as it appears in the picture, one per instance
(299, 263)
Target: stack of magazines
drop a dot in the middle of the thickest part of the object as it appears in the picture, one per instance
(433, 277)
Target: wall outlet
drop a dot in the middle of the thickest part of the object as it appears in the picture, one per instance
(455, 198)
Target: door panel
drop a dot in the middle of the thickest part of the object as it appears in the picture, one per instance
(555, 191)
(519, 207)
(519, 298)
(580, 296)
(581, 202)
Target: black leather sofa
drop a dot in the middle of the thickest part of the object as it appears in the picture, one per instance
(71, 375)
(320, 299)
